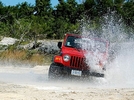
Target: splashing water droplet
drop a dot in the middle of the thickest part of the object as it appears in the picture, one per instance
(119, 70)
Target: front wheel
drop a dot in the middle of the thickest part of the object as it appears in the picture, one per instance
(55, 71)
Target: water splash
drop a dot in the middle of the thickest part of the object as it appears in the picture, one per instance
(120, 70)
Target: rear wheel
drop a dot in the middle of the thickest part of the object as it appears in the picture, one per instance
(55, 71)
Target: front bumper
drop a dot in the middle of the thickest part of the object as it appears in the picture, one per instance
(75, 72)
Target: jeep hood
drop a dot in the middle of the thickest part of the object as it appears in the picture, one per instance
(72, 51)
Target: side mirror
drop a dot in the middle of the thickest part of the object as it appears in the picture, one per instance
(59, 44)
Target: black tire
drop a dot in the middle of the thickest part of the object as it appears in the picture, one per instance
(55, 72)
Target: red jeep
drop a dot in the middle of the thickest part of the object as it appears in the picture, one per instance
(72, 59)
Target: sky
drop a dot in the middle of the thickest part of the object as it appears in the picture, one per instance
(32, 2)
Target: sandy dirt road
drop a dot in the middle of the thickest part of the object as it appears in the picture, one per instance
(31, 83)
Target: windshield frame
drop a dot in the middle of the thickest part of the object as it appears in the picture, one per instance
(71, 43)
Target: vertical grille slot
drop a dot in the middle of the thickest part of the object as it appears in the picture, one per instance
(77, 62)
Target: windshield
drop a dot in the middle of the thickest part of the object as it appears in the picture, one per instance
(86, 43)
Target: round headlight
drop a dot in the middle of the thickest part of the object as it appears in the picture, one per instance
(66, 58)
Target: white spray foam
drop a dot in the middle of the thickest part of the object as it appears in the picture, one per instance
(120, 69)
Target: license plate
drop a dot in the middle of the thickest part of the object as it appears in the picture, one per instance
(76, 72)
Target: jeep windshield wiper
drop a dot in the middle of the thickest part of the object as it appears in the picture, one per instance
(69, 46)
(77, 48)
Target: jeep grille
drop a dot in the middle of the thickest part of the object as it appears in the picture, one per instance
(77, 62)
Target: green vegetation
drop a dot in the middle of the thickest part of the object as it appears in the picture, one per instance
(28, 22)
(44, 21)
